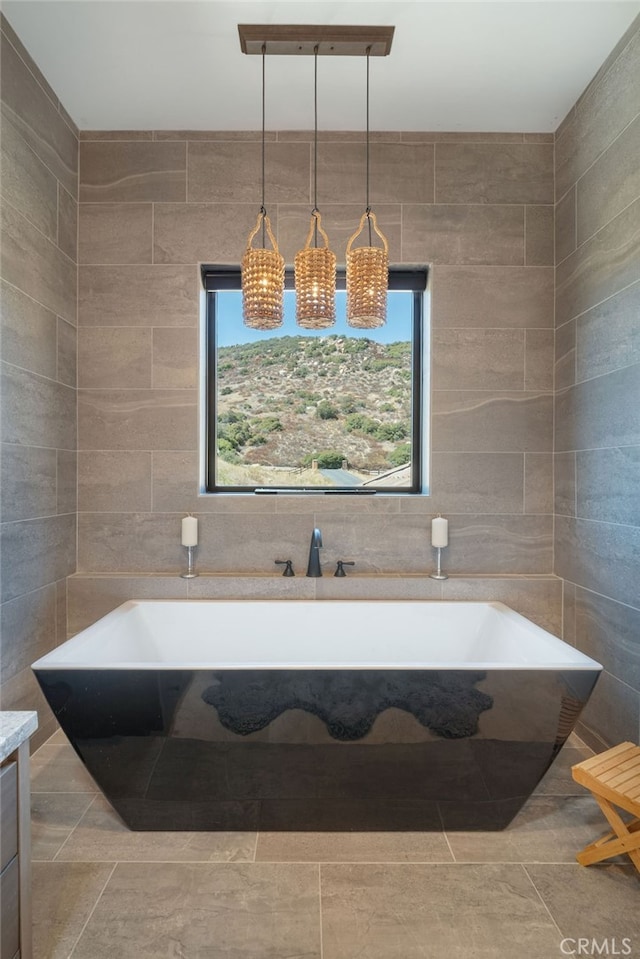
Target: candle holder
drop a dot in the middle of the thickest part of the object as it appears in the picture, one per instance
(438, 573)
(191, 572)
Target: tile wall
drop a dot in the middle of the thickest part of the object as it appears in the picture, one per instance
(38, 311)
(597, 407)
(154, 205)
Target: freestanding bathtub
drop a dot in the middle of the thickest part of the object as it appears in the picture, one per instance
(224, 715)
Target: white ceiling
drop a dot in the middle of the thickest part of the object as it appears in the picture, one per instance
(176, 64)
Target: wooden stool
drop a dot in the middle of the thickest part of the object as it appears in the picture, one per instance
(613, 777)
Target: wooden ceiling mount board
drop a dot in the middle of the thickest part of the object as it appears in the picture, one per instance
(331, 41)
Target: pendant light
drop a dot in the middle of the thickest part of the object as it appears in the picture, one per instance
(315, 266)
(262, 269)
(367, 266)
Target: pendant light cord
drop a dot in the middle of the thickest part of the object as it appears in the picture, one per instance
(263, 209)
(368, 206)
(315, 143)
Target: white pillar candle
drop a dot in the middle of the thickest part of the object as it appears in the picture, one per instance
(439, 532)
(189, 531)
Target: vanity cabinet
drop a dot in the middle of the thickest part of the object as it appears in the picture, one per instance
(15, 842)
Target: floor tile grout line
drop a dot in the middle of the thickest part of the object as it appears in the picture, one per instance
(88, 919)
(320, 908)
(444, 833)
(539, 895)
(55, 858)
(255, 847)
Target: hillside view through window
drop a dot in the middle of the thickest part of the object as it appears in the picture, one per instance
(327, 410)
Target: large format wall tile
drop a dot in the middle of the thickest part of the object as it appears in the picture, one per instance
(477, 359)
(131, 296)
(37, 119)
(476, 483)
(608, 336)
(607, 484)
(176, 359)
(114, 357)
(565, 225)
(500, 544)
(492, 296)
(482, 420)
(137, 419)
(130, 171)
(115, 233)
(28, 629)
(135, 542)
(28, 482)
(600, 413)
(67, 223)
(611, 184)
(538, 483)
(565, 355)
(114, 480)
(463, 234)
(67, 353)
(67, 481)
(26, 182)
(229, 172)
(34, 264)
(613, 710)
(539, 235)
(37, 411)
(204, 232)
(538, 360)
(399, 173)
(602, 266)
(610, 633)
(602, 557)
(28, 332)
(41, 550)
(494, 173)
(564, 465)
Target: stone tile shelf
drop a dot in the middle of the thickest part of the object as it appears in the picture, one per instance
(101, 890)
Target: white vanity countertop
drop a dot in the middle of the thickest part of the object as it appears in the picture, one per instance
(15, 727)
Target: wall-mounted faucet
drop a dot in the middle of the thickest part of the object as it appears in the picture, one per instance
(313, 566)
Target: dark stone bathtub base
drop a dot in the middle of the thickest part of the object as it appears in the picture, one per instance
(122, 726)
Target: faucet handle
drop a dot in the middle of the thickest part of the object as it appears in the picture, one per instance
(288, 566)
(341, 565)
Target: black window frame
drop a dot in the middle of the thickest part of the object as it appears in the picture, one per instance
(405, 279)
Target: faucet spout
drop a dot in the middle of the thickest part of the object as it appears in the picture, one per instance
(313, 566)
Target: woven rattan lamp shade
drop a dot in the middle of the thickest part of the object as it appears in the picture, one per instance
(262, 281)
(367, 280)
(315, 281)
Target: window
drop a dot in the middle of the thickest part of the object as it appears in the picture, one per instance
(327, 411)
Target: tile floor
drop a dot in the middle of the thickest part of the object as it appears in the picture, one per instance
(102, 892)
